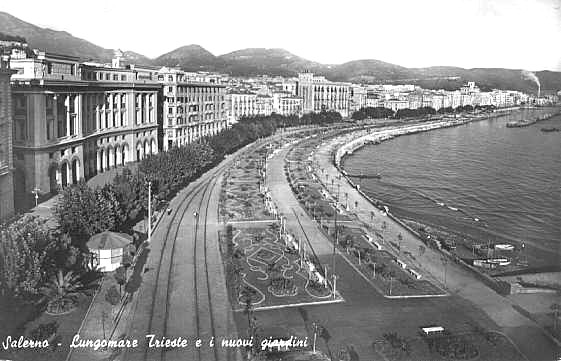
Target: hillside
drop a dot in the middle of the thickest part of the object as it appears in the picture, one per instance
(189, 57)
(258, 61)
(58, 41)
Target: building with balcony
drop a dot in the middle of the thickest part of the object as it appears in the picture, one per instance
(357, 98)
(73, 120)
(284, 103)
(319, 94)
(242, 104)
(194, 106)
(6, 160)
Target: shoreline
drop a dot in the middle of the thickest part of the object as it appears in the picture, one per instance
(522, 263)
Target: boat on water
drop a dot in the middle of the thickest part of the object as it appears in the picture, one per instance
(550, 129)
(499, 261)
(520, 123)
(504, 247)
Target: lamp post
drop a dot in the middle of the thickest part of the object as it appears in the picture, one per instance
(315, 327)
(36, 191)
(196, 219)
(149, 211)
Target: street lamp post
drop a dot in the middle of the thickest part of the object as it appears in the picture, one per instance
(149, 211)
(315, 326)
(36, 191)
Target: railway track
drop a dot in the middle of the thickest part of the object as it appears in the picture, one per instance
(183, 295)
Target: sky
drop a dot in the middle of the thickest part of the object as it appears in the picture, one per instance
(520, 34)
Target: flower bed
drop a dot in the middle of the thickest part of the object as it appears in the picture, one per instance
(261, 266)
(487, 346)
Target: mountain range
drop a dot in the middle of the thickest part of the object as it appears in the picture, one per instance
(258, 61)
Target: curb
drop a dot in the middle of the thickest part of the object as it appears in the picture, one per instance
(302, 304)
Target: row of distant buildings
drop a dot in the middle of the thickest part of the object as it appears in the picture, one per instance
(63, 120)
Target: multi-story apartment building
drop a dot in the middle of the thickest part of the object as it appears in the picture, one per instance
(6, 160)
(320, 94)
(242, 104)
(193, 107)
(357, 98)
(396, 104)
(73, 120)
(284, 103)
(264, 105)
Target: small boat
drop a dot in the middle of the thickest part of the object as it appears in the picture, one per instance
(504, 247)
(550, 129)
(453, 208)
(499, 261)
(520, 123)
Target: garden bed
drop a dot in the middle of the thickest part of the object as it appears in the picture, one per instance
(268, 272)
(379, 267)
(486, 346)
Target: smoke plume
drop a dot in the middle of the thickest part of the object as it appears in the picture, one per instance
(531, 76)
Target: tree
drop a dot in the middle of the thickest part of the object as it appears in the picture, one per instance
(24, 248)
(325, 336)
(121, 277)
(82, 212)
(62, 291)
(112, 296)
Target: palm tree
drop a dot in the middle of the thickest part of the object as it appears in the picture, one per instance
(62, 292)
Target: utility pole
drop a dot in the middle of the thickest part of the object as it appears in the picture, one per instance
(335, 242)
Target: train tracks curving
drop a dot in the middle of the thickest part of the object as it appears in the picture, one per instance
(183, 296)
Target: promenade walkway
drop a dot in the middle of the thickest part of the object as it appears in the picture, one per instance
(365, 314)
(526, 334)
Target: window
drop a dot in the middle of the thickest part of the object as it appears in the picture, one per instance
(115, 77)
(170, 89)
(170, 78)
(107, 76)
(123, 77)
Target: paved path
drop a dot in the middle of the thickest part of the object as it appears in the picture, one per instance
(458, 280)
(287, 203)
(365, 315)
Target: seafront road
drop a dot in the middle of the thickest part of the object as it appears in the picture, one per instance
(365, 315)
(524, 332)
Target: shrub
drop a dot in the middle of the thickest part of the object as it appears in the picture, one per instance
(62, 291)
(44, 331)
(112, 296)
